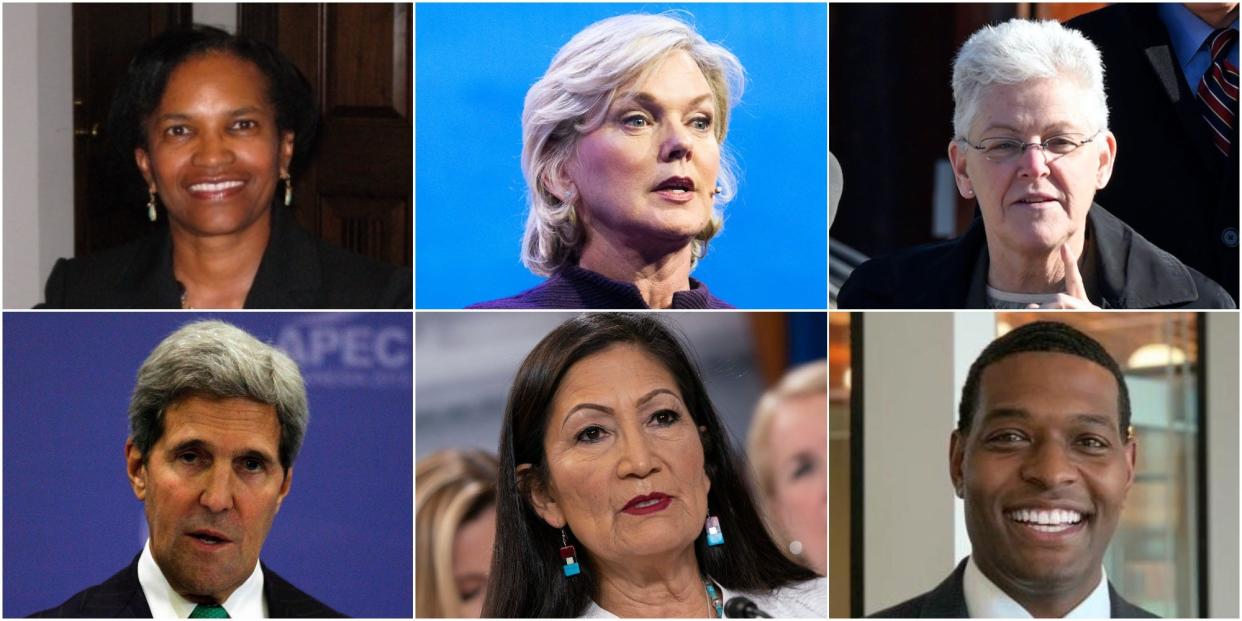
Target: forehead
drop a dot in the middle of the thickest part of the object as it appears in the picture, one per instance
(619, 373)
(1049, 388)
(215, 74)
(224, 422)
(1033, 106)
(675, 76)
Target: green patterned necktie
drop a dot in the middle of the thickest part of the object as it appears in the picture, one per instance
(209, 611)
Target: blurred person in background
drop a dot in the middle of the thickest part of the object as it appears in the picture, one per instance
(455, 505)
(788, 449)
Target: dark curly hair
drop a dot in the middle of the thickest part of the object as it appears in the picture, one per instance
(1041, 336)
(142, 88)
(526, 578)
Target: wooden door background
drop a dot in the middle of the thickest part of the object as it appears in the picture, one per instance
(356, 191)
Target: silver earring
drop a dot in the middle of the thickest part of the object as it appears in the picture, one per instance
(151, 205)
(288, 189)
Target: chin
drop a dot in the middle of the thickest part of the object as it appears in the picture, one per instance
(208, 221)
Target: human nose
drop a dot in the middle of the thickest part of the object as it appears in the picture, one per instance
(675, 144)
(1033, 160)
(1049, 466)
(637, 459)
(213, 150)
(217, 494)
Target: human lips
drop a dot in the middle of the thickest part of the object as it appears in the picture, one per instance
(215, 189)
(1048, 520)
(648, 503)
(1038, 200)
(676, 189)
(209, 538)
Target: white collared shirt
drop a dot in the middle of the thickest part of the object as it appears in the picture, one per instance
(986, 600)
(246, 602)
(802, 600)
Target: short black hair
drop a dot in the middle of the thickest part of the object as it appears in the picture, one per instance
(142, 88)
(1041, 336)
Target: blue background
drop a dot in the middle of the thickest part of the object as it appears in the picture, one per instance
(343, 534)
(474, 65)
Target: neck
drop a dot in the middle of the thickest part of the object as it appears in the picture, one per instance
(1045, 601)
(217, 271)
(657, 275)
(653, 587)
(1031, 272)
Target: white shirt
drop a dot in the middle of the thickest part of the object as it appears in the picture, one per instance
(246, 602)
(986, 600)
(805, 600)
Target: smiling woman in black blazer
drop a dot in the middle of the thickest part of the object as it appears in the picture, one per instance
(215, 123)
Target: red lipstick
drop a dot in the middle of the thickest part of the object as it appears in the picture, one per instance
(650, 503)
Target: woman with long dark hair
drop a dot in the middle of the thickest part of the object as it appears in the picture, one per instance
(620, 492)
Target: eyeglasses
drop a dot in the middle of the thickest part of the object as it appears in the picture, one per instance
(1008, 149)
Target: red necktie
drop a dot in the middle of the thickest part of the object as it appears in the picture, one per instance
(1218, 90)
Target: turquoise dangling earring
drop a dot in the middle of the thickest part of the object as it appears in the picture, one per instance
(569, 556)
(714, 536)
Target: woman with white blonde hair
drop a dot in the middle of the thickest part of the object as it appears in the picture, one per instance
(788, 449)
(623, 156)
(455, 517)
(1031, 144)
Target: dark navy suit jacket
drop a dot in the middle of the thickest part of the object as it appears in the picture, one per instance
(121, 596)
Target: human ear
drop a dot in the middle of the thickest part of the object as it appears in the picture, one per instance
(286, 152)
(541, 499)
(957, 453)
(1131, 450)
(558, 182)
(143, 159)
(1108, 155)
(957, 158)
(285, 485)
(135, 470)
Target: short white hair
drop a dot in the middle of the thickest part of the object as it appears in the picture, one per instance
(572, 98)
(1020, 50)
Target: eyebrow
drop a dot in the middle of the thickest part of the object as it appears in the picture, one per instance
(647, 99)
(643, 400)
(1086, 419)
(1057, 128)
(181, 116)
(198, 443)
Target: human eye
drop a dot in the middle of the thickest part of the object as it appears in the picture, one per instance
(1093, 443)
(252, 464)
(665, 418)
(177, 131)
(1061, 144)
(636, 120)
(245, 124)
(189, 458)
(701, 123)
(802, 467)
(1001, 148)
(590, 435)
(1006, 438)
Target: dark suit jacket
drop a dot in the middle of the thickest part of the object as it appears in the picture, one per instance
(1129, 273)
(1169, 182)
(297, 271)
(948, 600)
(122, 596)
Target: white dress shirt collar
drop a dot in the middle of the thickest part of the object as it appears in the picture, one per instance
(246, 602)
(986, 600)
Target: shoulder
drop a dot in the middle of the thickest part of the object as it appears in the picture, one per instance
(351, 280)
(909, 609)
(1122, 609)
(947, 600)
(287, 601)
(1211, 294)
(538, 296)
(118, 596)
(800, 600)
(95, 280)
(555, 292)
(926, 276)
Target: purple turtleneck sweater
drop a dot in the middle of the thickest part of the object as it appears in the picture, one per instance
(575, 287)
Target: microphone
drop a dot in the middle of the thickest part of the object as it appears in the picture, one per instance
(742, 608)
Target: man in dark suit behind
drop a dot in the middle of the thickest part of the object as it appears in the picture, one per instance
(216, 421)
(1043, 457)
(1170, 183)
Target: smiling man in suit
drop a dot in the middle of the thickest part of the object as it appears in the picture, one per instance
(216, 421)
(1043, 457)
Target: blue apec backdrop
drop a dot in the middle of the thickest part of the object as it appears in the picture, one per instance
(70, 519)
(474, 65)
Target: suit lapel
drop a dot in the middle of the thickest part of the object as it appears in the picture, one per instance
(289, 275)
(948, 600)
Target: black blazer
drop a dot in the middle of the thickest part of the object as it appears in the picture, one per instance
(1169, 182)
(121, 596)
(1130, 273)
(948, 601)
(297, 271)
